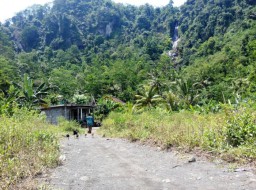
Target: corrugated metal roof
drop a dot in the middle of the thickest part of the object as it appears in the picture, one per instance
(68, 106)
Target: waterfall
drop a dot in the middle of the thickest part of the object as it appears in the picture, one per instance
(175, 38)
(173, 53)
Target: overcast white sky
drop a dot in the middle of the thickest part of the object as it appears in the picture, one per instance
(152, 2)
(9, 7)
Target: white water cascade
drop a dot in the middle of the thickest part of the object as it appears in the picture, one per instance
(173, 53)
(175, 38)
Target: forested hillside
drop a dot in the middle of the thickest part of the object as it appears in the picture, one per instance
(218, 46)
(98, 47)
(187, 76)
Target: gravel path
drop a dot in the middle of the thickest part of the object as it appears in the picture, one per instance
(96, 163)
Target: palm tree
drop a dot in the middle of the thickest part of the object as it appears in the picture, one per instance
(240, 85)
(172, 101)
(149, 98)
(156, 82)
(187, 91)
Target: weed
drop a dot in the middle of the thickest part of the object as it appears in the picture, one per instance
(68, 126)
(212, 132)
(241, 128)
(28, 145)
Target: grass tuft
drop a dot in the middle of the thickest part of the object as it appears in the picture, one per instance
(28, 145)
(188, 130)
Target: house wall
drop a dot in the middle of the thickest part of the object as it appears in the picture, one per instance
(54, 114)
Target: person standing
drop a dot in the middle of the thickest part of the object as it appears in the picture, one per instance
(89, 123)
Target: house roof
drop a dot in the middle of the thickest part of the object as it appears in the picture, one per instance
(114, 99)
(72, 106)
(117, 100)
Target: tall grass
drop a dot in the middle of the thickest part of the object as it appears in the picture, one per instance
(28, 145)
(185, 130)
(69, 126)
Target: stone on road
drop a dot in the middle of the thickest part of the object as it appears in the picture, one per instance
(95, 163)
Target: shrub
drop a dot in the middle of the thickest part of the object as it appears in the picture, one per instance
(28, 144)
(81, 99)
(231, 132)
(241, 128)
(184, 129)
(68, 126)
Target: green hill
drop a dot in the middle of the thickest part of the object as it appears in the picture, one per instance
(100, 47)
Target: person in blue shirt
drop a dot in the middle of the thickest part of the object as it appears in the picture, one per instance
(89, 123)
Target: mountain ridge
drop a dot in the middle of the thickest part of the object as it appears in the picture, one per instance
(79, 35)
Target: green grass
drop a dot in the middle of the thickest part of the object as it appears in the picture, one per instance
(184, 130)
(69, 126)
(28, 145)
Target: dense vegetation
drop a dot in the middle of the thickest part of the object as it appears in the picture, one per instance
(100, 47)
(28, 145)
(229, 134)
(73, 50)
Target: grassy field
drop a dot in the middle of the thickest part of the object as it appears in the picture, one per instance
(28, 145)
(230, 134)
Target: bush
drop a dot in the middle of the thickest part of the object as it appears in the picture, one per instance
(68, 126)
(81, 99)
(184, 129)
(28, 144)
(104, 107)
(241, 128)
(230, 133)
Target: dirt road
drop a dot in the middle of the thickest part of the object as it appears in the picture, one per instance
(96, 163)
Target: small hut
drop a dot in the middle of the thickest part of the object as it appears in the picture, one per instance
(75, 112)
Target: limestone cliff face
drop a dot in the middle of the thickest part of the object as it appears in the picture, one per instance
(109, 29)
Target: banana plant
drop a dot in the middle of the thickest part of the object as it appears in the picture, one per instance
(31, 97)
(8, 101)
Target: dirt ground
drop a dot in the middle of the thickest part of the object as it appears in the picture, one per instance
(97, 163)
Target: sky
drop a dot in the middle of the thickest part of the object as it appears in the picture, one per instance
(8, 8)
(155, 3)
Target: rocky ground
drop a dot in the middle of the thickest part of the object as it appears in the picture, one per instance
(97, 163)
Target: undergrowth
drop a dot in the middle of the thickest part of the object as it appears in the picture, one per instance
(69, 126)
(28, 145)
(229, 134)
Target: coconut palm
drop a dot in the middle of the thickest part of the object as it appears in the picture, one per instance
(240, 85)
(149, 98)
(172, 101)
(187, 91)
(156, 82)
